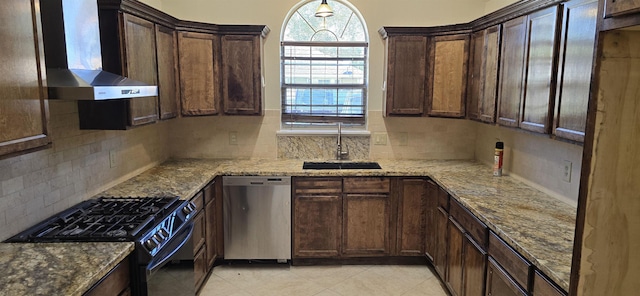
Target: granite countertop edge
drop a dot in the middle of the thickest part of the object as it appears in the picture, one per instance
(468, 181)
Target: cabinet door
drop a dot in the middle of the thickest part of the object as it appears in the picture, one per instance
(620, 7)
(577, 44)
(140, 64)
(241, 75)
(406, 75)
(210, 223)
(410, 227)
(431, 212)
(490, 68)
(455, 256)
(23, 105)
(199, 267)
(514, 35)
(499, 283)
(167, 72)
(543, 287)
(317, 226)
(366, 225)
(199, 84)
(449, 57)
(440, 257)
(539, 93)
(475, 261)
(474, 80)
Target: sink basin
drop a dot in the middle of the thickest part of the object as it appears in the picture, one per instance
(310, 165)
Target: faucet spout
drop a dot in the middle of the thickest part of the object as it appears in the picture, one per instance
(341, 153)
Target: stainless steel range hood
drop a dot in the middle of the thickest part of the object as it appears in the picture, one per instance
(73, 58)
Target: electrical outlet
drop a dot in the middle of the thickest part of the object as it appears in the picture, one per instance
(233, 138)
(566, 174)
(113, 158)
(380, 138)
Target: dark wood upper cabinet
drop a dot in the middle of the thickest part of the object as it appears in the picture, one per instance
(449, 58)
(406, 77)
(483, 75)
(474, 80)
(577, 45)
(199, 67)
(539, 91)
(23, 104)
(168, 87)
(621, 7)
(128, 49)
(514, 37)
(242, 74)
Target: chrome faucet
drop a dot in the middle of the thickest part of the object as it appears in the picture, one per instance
(341, 153)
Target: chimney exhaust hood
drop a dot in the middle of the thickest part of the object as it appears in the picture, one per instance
(73, 56)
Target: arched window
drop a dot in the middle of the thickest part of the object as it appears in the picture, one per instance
(324, 63)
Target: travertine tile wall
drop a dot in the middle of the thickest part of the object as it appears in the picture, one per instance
(534, 158)
(406, 138)
(34, 186)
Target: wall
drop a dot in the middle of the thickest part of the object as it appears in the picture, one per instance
(493, 5)
(428, 137)
(37, 185)
(534, 158)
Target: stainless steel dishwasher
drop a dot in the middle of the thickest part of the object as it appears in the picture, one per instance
(257, 217)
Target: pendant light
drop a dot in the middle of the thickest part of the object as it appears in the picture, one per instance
(324, 10)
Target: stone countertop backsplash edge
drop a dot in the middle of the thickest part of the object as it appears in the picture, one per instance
(538, 226)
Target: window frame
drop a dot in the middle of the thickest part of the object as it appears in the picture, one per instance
(309, 120)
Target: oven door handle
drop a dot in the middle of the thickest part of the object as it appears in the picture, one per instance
(174, 245)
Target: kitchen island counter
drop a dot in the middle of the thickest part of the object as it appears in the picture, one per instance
(537, 225)
(57, 268)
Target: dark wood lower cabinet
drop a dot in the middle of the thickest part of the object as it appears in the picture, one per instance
(475, 262)
(440, 256)
(410, 237)
(115, 283)
(455, 258)
(366, 220)
(499, 283)
(543, 287)
(317, 226)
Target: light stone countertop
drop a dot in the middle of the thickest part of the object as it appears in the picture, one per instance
(537, 225)
(56, 268)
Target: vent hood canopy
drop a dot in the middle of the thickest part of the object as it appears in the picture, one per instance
(73, 56)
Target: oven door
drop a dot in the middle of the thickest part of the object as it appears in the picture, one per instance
(170, 272)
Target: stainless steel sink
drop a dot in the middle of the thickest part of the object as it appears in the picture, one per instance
(340, 165)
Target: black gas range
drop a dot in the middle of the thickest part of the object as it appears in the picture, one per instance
(159, 227)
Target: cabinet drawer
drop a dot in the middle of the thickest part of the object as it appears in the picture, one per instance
(518, 267)
(367, 185)
(210, 192)
(544, 287)
(443, 199)
(470, 223)
(317, 185)
(113, 283)
(198, 201)
(499, 283)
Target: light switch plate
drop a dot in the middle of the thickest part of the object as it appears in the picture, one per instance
(113, 158)
(566, 173)
(233, 138)
(380, 138)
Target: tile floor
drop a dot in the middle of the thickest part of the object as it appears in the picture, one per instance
(345, 280)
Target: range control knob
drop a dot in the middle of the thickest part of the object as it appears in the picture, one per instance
(158, 238)
(150, 244)
(163, 233)
(189, 208)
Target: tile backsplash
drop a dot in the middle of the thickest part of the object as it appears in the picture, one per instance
(37, 185)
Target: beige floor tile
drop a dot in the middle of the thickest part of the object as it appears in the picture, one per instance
(346, 280)
(328, 276)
